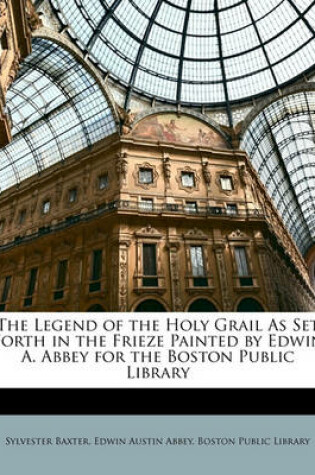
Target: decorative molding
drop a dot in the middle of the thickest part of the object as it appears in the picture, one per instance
(224, 283)
(148, 232)
(196, 234)
(123, 277)
(167, 171)
(206, 173)
(175, 276)
(238, 236)
(121, 167)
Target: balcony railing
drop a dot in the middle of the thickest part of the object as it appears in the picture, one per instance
(131, 207)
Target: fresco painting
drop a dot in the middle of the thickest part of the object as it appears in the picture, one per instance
(175, 129)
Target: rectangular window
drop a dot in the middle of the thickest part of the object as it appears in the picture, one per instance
(191, 207)
(146, 204)
(242, 266)
(149, 265)
(46, 207)
(22, 216)
(61, 279)
(73, 194)
(198, 266)
(6, 289)
(145, 176)
(231, 209)
(28, 301)
(226, 183)
(188, 179)
(103, 181)
(96, 271)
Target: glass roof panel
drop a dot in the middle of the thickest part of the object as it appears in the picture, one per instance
(57, 109)
(281, 144)
(253, 46)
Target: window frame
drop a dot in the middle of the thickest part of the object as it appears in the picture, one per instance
(32, 285)
(96, 270)
(144, 170)
(103, 181)
(199, 278)
(229, 179)
(46, 202)
(148, 236)
(75, 191)
(197, 238)
(190, 174)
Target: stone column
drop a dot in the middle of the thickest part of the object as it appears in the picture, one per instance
(266, 274)
(119, 280)
(76, 280)
(18, 286)
(225, 291)
(177, 305)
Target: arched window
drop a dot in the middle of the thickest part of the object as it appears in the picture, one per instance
(150, 305)
(249, 305)
(202, 305)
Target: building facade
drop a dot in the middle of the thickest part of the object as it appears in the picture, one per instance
(167, 216)
(142, 169)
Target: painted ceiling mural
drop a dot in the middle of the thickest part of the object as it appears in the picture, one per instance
(178, 129)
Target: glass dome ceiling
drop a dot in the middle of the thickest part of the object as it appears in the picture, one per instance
(281, 143)
(57, 110)
(195, 51)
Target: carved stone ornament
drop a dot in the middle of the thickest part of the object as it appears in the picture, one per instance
(245, 176)
(13, 71)
(167, 170)
(3, 16)
(121, 166)
(238, 236)
(33, 19)
(127, 119)
(195, 234)
(206, 172)
(148, 231)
